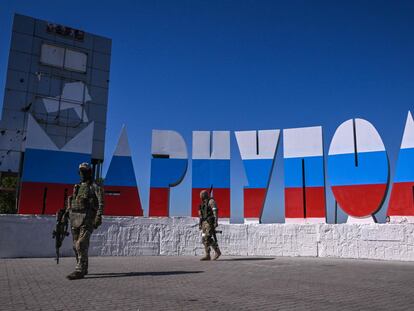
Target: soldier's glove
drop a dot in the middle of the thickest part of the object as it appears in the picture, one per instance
(98, 221)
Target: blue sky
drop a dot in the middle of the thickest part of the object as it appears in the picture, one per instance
(239, 65)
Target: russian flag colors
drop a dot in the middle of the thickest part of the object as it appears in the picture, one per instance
(257, 150)
(168, 167)
(401, 204)
(121, 189)
(358, 168)
(304, 175)
(49, 172)
(211, 168)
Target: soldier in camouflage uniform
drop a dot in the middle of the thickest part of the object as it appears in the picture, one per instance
(85, 213)
(208, 214)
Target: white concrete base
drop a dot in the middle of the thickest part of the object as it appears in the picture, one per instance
(31, 236)
(402, 219)
(360, 220)
(310, 220)
(251, 221)
(224, 221)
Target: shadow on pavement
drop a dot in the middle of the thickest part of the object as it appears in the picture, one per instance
(246, 259)
(129, 274)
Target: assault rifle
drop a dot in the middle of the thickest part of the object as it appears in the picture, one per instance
(215, 231)
(210, 191)
(215, 235)
(62, 224)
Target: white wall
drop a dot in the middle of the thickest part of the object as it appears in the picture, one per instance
(31, 236)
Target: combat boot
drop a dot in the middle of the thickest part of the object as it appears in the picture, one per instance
(75, 275)
(207, 256)
(217, 253)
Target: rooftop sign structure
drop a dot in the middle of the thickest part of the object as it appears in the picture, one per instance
(59, 76)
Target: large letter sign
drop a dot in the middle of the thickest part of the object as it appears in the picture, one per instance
(358, 169)
(121, 189)
(168, 167)
(211, 168)
(304, 175)
(257, 150)
(401, 205)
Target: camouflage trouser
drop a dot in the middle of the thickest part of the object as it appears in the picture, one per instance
(207, 235)
(81, 236)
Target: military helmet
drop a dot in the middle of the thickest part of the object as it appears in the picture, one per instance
(84, 166)
(85, 171)
(204, 194)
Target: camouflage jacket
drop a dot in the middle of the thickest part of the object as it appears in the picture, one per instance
(85, 204)
(208, 211)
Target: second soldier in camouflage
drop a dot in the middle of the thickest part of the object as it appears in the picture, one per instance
(208, 214)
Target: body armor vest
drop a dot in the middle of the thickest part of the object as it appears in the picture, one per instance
(206, 212)
(84, 198)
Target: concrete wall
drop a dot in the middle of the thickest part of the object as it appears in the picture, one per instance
(30, 236)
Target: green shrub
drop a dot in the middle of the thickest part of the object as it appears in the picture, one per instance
(8, 186)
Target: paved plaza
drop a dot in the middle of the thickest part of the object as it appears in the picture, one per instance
(185, 283)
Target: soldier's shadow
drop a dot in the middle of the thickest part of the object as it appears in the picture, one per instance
(246, 259)
(130, 274)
